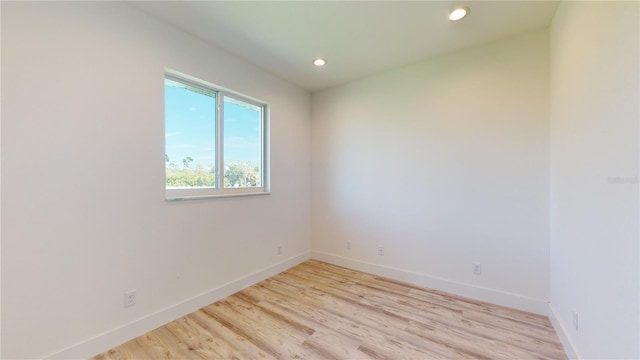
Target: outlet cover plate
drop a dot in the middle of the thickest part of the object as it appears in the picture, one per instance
(130, 298)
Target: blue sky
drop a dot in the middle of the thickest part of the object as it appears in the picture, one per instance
(190, 128)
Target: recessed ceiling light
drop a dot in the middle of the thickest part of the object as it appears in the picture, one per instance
(319, 62)
(458, 13)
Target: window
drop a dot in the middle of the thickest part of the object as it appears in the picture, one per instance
(215, 142)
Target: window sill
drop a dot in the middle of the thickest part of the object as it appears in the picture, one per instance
(213, 196)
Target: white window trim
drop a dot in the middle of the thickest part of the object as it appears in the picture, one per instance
(195, 193)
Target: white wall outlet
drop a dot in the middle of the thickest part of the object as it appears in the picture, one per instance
(279, 249)
(380, 250)
(575, 320)
(130, 298)
(348, 245)
(477, 268)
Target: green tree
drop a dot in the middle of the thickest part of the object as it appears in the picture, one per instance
(236, 174)
(241, 174)
(186, 161)
(199, 177)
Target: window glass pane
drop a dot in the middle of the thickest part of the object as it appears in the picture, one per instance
(242, 144)
(190, 132)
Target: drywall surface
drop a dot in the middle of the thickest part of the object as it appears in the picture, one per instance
(445, 164)
(594, 177)
(83, 204)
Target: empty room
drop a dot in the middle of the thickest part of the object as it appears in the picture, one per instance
(320, 180)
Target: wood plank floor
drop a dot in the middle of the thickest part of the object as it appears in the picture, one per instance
(321, 311)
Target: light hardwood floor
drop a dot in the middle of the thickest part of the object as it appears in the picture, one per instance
(321, 311)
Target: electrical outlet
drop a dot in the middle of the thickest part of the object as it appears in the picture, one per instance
(279, 249)
(348, 245)
(130, 298)
(575, 320)
(477, 268)
(381, 250)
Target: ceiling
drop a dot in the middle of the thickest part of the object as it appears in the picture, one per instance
(358, 38)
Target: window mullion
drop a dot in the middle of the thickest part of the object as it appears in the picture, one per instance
(263, 155)
(219, 142)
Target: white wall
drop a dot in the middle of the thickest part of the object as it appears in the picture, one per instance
(444, 163)
(83, 203)
(594, 177)
(0, 192)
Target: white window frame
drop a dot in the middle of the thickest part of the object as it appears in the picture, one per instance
(187, 193)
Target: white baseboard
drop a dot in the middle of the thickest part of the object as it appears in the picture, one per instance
(115, 337)
(112, 338)
(562, 335)
(479, 293)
